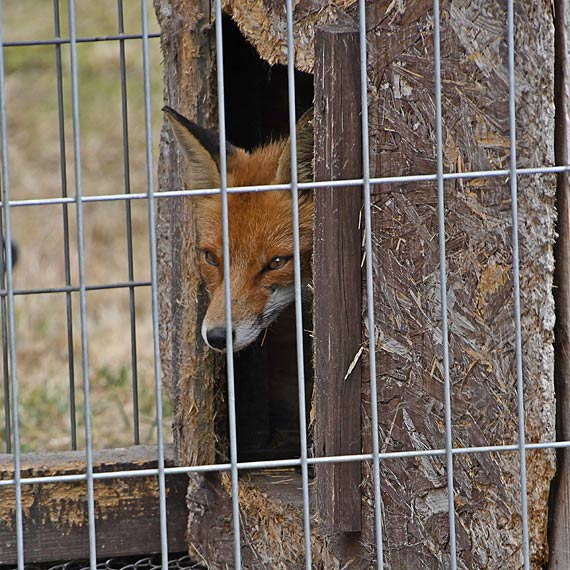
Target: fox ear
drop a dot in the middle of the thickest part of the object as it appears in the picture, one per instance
(201, 149)
(305, 152)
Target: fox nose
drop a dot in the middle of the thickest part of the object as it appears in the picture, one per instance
(216, 337)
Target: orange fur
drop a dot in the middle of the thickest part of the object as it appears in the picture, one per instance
(260, 230)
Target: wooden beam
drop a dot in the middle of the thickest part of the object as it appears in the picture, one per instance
(55, 514)
(559, 523)
(337, 276)
(189, 371)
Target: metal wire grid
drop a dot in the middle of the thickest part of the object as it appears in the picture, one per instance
(8, 293)
(6, 275)
(131, 284)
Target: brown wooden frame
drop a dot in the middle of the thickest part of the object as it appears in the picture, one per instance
(127, 518)
(337, 311)
(559, 528)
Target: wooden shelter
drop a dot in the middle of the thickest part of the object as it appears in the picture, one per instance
(407, 294)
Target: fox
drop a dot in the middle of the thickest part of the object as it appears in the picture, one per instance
(260, 227)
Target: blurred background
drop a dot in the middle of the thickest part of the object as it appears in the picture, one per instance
(41, 165)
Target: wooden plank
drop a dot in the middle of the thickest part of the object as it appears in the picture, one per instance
(337, 276)
(189, 371)
(126, 509)
(559, 524)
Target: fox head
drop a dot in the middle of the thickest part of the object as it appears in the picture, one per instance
(260, 227)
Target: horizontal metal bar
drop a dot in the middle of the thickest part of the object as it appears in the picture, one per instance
(282, 463)
(301, 186)
(74, 289)
(60, 41)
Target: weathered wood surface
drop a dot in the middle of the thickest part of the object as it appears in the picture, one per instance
(188, 369)
(559, 524)
(127, 518)
(264, 24)
(479, 269)
(407, 297)
(336, 277)
(271, 518)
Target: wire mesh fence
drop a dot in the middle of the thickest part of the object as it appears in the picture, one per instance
(45, 238)
(81, 280)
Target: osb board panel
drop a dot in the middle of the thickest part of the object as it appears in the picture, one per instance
(264, 24)
(127, 518)
(271, 522)
(480, 280)
(478, 231)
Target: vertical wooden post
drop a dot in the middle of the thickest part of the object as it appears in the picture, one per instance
(188, 371)
(559, 527)
(337, 276)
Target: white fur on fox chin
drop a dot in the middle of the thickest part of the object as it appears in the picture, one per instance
(247, 330)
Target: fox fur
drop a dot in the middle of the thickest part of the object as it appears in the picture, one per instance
(260, 227)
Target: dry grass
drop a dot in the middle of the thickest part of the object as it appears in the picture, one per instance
(34, 168)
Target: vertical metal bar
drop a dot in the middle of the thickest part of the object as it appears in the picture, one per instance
(297, 273)
(370, 286)
(443, 283)
(154, 288)
(82, 290)
(227, 290)
(5, 364)
(66, 252)
(516, 278)
(5, 349)
(127, 174)
(11, 327)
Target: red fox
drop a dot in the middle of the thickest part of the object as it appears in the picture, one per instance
(260, 227)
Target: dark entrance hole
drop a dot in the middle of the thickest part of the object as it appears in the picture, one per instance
(257, 107)
(257, 111)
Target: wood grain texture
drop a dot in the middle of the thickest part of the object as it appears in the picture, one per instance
(336, 276)
(407, 296)
(270, 515)
(263, 23)
(127, 518)
(478, 233)
(188, 370)
(559, 527)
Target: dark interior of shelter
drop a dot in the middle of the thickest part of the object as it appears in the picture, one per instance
(266, 373)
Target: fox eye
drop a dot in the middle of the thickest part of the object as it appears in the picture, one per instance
(278, 262)
(210, 257)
